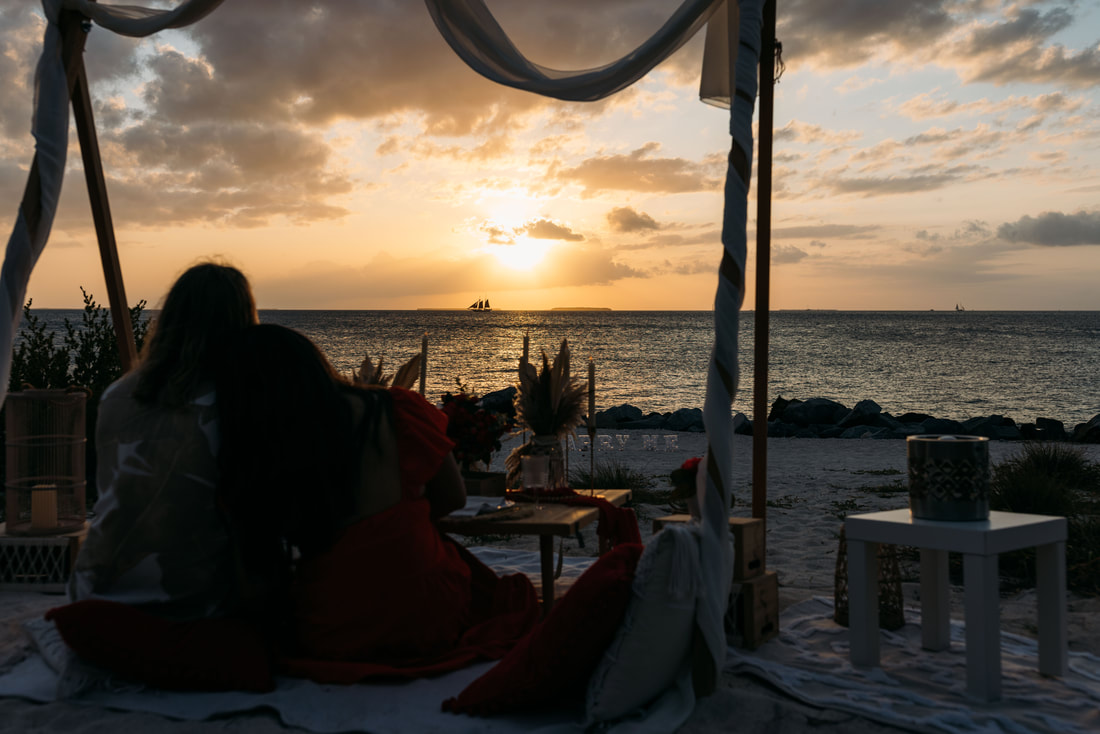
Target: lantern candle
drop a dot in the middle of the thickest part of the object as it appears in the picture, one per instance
(591, 394)
(423, 362)
(44, 507)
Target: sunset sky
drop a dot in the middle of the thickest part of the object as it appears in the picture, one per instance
(927, 153)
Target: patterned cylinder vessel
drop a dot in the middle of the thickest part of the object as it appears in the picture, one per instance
(949, 477)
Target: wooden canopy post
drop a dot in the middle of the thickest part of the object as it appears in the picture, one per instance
(74, 27)
(74, 31)
(763, 265)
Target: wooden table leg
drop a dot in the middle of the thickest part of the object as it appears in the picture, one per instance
(546, 557)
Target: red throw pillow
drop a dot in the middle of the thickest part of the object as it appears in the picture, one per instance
(557, 657)
(200, 655)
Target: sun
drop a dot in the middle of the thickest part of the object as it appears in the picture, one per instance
(523, 254)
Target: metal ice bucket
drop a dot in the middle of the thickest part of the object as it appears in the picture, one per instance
(949, 477)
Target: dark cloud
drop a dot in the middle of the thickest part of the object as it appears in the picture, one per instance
(890, 185)
(837, 231)
(626, 219)
(544, 229)
(787, 254)
(639, 171)
(1054, 229)
(849, 32)
(20, 43)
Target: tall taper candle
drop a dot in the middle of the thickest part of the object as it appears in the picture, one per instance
(423, 362)
(591, 394)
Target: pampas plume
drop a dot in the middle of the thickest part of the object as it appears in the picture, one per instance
(371, 374)
(550, 402)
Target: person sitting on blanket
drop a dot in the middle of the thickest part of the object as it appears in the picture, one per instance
(158, 540)
(352, 477)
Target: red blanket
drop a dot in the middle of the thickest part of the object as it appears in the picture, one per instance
(394, 598)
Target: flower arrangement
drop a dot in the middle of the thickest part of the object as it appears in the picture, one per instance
(683, 479)
(475, 430)
(550, 402)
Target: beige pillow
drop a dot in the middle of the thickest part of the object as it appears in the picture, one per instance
(656, 633)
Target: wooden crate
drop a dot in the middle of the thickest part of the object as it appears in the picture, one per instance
(756, 609)
(748, 543)
(38, 563)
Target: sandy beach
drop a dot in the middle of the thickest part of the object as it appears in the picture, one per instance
(812, 484)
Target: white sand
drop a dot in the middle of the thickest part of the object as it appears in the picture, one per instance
(812, 483)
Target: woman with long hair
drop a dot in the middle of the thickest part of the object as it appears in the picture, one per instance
(159, 538)
(348, 480)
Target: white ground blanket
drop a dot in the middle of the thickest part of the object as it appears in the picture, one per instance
(398, 708)
(918, 689)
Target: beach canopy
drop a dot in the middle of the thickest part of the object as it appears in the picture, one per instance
(732, 53)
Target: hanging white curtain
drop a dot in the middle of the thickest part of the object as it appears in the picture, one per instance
(477, 38)
(50, 127)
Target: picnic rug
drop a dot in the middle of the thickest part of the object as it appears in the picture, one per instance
(377, 708)
(914, 689)
(917, 689)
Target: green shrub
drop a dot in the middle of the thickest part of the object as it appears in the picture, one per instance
(1053, 479)
(86, 356)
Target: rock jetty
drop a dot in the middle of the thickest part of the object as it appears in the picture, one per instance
(824, 418)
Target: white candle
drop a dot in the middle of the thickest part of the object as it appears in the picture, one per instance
(43, 508)
(591, 394)
(423, 362)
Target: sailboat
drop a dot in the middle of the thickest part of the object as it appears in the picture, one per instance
(959, 308)
(481, 304)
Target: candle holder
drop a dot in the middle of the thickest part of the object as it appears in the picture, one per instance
(45, 480)
(949, 477)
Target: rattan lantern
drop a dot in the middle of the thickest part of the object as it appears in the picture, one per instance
(46, 442)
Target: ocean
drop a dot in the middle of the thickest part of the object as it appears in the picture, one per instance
(958, 365)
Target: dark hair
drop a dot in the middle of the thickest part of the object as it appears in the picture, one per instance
(290, 447)
(205, 308)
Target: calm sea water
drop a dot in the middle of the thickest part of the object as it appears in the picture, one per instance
(952, 365)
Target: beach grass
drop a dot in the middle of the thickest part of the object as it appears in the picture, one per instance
(1047, 478)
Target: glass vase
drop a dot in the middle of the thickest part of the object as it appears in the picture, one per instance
(550, 446)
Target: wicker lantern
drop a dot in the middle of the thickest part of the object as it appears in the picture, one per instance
(45, 483)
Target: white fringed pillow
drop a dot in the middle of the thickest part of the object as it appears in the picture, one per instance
(656, 633)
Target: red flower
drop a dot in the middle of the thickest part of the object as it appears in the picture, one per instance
(475, 430)
(683, 479)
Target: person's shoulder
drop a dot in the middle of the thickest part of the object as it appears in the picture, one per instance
(122, 388)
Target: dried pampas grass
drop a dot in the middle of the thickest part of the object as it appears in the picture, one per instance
(371, 374)
(550, 402)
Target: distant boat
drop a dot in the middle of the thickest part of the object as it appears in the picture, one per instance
(959, 308)
(481, 304)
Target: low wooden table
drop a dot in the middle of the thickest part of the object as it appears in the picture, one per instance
(546, 522)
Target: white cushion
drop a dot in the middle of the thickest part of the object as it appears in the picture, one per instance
(656, 634)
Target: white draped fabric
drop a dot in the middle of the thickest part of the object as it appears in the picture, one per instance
(477, 38)
(50, 127)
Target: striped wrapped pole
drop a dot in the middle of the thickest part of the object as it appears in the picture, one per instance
(722, 373)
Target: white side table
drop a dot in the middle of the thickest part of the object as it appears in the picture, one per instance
(980, 542)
